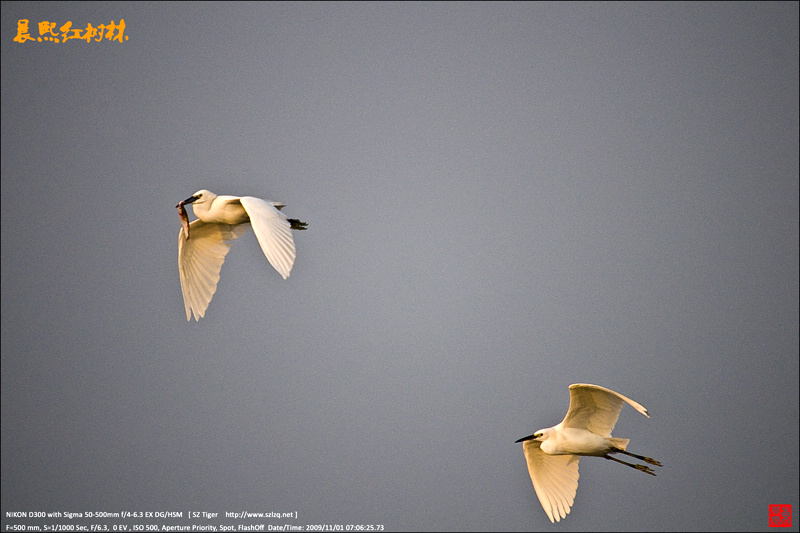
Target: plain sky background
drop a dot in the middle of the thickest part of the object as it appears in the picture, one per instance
(502, 199)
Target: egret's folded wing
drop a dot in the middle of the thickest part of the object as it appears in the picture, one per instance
(200, 259)
(554, 477)
(273, 232)
(596, 408)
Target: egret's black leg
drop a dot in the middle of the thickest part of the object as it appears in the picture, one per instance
(296, 224)
(647, 460)
(640, 468)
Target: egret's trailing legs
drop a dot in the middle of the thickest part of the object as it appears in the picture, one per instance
(640, 468)
(648, 460)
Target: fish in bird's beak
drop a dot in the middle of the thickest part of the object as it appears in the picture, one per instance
(184, 217)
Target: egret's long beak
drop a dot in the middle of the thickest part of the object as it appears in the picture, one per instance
(189, 200)
(529, 437)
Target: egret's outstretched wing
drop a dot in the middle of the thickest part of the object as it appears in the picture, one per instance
(273, 232)
(554, 477)
(596, 408)
(200, 259)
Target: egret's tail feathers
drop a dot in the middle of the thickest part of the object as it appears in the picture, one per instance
(620, 444)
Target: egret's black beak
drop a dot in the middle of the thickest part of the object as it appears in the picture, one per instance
(189, 200)
(529, 437)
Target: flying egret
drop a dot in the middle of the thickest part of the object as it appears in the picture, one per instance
(203, 244)
(553, 453)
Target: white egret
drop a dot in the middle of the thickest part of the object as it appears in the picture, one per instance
(553, 453)
(203, 244)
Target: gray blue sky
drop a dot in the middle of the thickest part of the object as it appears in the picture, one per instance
(503, 199)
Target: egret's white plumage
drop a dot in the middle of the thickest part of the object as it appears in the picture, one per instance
(204, 243)
(553, 453)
